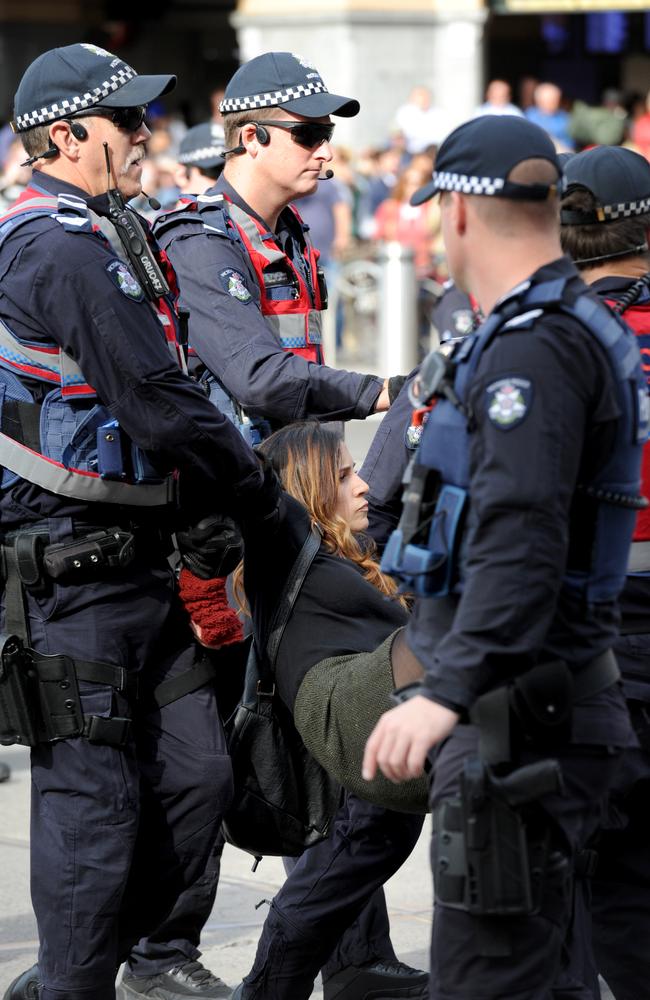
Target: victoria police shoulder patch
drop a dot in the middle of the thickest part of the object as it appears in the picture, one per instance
(508, 401)
(235, 284)
(127, 283)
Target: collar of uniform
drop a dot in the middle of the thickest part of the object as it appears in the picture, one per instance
(562, 267)
(53, 185)
(612, 284)
(286, 219)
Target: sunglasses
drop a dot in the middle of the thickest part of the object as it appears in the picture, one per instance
(130, 119)
(307, 134)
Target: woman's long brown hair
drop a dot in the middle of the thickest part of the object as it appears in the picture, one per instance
(306, 457)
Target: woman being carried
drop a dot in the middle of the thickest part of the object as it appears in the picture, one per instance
(333, 668)
(333, 672)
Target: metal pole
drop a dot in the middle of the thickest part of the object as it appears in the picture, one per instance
(397, 325)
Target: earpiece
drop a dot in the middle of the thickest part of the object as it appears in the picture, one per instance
(78, 131)
(262, 135)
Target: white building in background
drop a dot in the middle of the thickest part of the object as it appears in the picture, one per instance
(377, 51)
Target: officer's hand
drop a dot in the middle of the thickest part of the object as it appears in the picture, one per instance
(399, 743)
(395, 384)
(212, 547)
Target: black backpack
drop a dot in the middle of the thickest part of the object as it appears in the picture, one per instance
(284, 801)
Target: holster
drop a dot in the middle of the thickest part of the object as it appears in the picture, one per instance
(491, 852)
(19, 701)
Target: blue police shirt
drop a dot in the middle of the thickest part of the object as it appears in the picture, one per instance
(514, 611)
(234, 341)
(55, 285)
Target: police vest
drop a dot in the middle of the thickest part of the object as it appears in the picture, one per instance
(70, 444)
(291, 298)
(432, 566)
(637, 316)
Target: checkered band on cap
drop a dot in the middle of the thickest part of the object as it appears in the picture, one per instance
(206, 153)
(69, 105)
(272, 98)
(467, 184)
(626, 209)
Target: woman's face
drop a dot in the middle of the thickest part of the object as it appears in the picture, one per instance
(351, 502)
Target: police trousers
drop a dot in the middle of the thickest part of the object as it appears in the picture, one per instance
(545, 960)
(118, 833)
(324, 894)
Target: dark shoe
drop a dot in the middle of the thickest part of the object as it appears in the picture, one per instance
(4, 771)
(389, 980)
(26, 986)
(191, 979)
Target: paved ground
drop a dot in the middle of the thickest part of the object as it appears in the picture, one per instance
(231, 934)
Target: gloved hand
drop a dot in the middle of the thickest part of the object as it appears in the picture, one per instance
(212, 547)
(395, 383)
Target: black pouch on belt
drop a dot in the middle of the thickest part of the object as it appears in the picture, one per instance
(89, 556)
(542, 700)
(58, 690)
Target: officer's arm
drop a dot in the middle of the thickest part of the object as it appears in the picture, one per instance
(233, 340)
(384, 467)
(523, 476)
(119, 345)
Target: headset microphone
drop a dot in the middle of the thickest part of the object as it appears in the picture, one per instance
(327, 176)
(47, 155)
(153, 202)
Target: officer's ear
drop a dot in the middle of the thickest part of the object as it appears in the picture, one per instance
(62, 137)
(248, 138)
(458, 208)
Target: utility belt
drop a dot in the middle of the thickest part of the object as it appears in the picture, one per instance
(40, 699)
(92, 554)
(494, 853)
(35, 560)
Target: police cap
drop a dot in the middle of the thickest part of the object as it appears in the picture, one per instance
(618, 178)
(74, 78)
(282, 78)
(203, 146)
(477, 157)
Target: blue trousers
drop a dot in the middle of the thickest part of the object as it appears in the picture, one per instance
(118, 834)
(546, 960)
(326, 891)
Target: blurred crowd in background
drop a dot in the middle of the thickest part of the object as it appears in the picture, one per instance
(367, 200)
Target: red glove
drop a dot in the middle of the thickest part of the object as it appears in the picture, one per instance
(212, 619)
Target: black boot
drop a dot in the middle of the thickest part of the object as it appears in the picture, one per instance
(392, 980)
(26, 986)
(191, 979)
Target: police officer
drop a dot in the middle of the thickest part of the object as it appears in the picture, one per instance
(605, 218)
(515, 533)
(129, 769)
(398, 435)
(247, 270)
(250, 279)
(200, 158)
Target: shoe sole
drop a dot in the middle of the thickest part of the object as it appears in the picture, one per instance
(355, 990)
(124, 992)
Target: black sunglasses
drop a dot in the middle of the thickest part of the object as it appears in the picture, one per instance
(307, 134)
(130, 119)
